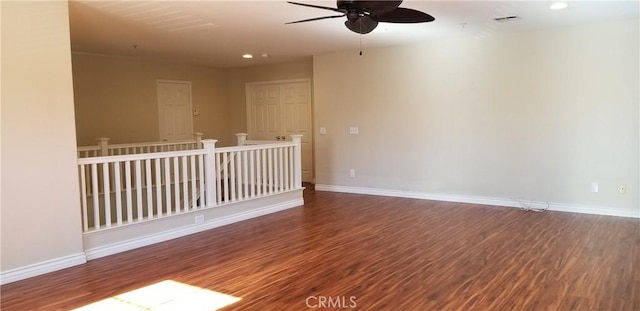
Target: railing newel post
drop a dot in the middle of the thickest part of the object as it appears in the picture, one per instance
(210, 172)
(297, 160)
(241, 138)
(198, 138)
(103, 144)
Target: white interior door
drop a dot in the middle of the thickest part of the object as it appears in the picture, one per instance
(295, 103)
(174, 110)
(265, 119)
(281, 109)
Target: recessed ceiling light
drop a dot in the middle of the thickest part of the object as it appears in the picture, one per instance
(247, 56)
(558, 6)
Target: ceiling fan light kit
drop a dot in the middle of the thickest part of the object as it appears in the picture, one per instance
(364, 16)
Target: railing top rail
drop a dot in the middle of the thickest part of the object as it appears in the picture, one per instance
(143, 144)
(255, 147)
(261, 142)
(88, 148)
(140, 156)
(151, 144)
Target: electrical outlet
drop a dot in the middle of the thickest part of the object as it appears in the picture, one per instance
(594, 187)
(354, 130)
(323, 130)
(352, 173)
(622, 188)
(199, 219)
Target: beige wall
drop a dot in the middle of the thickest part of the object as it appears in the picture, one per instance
(108, 88)
(527, 116)
(239, 77)
(116, 98)
(40, 197)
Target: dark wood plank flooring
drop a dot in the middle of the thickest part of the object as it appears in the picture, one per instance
(387, 253)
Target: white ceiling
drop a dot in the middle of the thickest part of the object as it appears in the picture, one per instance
(217, 33)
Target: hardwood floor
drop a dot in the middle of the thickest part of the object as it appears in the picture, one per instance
(376, 253)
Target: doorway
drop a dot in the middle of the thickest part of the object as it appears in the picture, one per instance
(278, 109)
(174, 110)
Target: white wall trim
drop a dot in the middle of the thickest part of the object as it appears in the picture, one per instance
(115, 248)
(39, 268)
(552, 206)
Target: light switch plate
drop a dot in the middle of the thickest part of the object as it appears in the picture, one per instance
(323, 130)
(354, 130)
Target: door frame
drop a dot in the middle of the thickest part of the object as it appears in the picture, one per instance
(188, 83)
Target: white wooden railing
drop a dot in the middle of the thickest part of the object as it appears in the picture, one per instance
(103, 148)
(124, 189)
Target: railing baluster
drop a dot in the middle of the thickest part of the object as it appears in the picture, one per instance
(280, 170)
(167, 184)
(232, 168)
(218, 178)
(194, 200)
(239, 175)
(83, 200)
(225, 176)
(128, 186)
(276, 169)
(264, 171)
(149, 187)
(203, 201)
(107, 194)
(111, 171)
(96, 196)
(291, 167)
(255, 180)
(286, 169)
(252, 176)
(158, 176)
(185, 184)
(281, 165)
(270, 169)
(139, 190)
(118, 191)
(176, 184)
(246, 174)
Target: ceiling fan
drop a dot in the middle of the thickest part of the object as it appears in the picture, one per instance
(363, 16)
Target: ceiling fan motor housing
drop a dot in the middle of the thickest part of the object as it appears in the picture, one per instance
(363, 15)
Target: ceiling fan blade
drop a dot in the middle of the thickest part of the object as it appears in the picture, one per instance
(316, 6)
(314, 19)
(362, 25)
(375, 7)
(402, 15)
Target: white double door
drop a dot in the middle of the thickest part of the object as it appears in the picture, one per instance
(276, 110)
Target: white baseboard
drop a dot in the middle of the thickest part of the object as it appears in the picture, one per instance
(41, 268)
(559, 207)
(115, 248)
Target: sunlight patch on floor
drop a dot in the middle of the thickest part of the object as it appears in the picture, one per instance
(164, 296)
